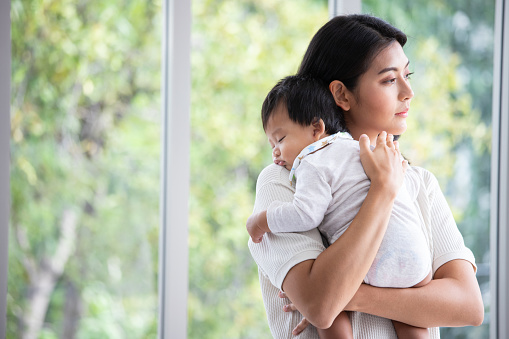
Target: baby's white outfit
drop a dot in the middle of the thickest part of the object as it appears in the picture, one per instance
(331, 186)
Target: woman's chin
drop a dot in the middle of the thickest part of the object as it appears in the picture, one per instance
(399, 130)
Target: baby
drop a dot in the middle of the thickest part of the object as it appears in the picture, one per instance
(301, 121)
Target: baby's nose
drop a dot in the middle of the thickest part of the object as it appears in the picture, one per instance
(276, 152)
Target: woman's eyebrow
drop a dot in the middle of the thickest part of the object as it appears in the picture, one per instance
(388, 69)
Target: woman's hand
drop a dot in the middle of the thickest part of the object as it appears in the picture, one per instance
(384, 165)
(291, 308)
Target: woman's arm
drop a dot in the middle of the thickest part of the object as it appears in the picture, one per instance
(322, 288)
(452, 298)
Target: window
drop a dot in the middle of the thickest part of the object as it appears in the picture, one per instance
(85, 155)
(85, 149)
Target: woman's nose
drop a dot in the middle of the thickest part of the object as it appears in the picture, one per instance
(406, 92)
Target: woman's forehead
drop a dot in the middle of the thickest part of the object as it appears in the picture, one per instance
(391, 58)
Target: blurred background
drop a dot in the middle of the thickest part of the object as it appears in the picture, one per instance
(85, 152)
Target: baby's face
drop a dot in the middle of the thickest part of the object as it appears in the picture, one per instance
(286, 137)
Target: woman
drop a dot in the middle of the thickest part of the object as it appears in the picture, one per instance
(362, 61)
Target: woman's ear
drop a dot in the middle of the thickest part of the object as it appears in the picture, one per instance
(318, 129)
(340, 94)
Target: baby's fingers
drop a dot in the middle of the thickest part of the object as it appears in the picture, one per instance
(258, 239)
(300, 327)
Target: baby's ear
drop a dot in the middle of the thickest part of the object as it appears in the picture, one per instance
(318, 128)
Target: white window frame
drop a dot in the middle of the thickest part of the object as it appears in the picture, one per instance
(176, 94)
(337, 7)
(499, 244)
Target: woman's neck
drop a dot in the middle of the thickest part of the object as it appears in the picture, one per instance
(356, 134)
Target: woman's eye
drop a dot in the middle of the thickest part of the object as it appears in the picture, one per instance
(408, 76)
(390, 81)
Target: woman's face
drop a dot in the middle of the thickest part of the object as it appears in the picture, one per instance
(382, 98)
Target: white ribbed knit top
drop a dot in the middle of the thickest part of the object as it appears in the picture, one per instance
(278, 253)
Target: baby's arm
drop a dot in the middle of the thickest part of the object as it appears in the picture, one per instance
(311, 200)
(306, 211)
(309, 205)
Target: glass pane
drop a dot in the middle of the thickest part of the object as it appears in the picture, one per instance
(450, 47)
(239, 50)
(83, 244)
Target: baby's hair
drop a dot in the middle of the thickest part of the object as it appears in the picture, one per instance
(306, 100)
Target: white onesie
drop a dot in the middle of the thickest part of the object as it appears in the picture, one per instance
(330, 188)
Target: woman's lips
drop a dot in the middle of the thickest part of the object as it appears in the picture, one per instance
(402, 114)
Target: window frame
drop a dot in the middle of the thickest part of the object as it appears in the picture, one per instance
(337, 7)
(175, 147)
(499, 223)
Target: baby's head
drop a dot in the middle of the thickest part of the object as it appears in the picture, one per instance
(298, 111)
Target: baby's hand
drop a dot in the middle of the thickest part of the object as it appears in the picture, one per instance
(254, 226)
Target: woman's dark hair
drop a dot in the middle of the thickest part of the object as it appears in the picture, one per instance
(306, 99)
(344, 48)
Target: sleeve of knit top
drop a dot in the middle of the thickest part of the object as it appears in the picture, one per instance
(448, 243)
(276, 254)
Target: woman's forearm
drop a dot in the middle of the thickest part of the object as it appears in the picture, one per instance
(321, 288)
(452, 299)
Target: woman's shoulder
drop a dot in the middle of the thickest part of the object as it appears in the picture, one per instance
(273, 184)
(422, 180)
(273, 174)
(417, 173)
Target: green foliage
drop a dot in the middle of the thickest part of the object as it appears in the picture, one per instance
(85, 138)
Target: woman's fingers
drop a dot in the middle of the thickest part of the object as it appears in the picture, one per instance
(364, 144)
(300, 327)
(405, 165)
(396, 145)
(383, 165)
(381, 139)
(390, 141)
(282, 294)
